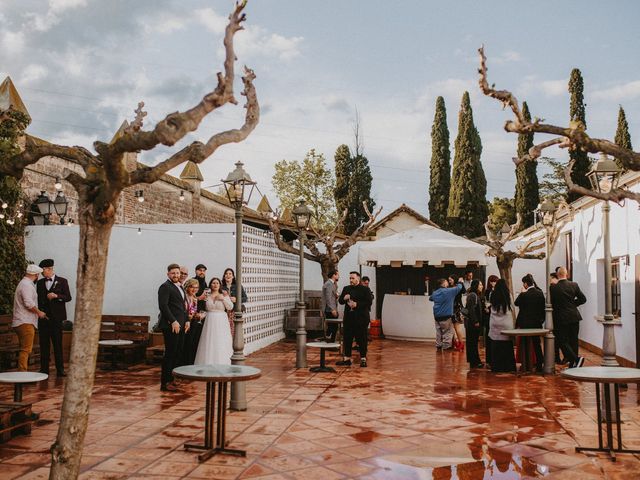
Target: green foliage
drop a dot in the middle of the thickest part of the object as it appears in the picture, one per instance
(468, 209)
(623, 138)
(353, 187)
(553, 184)
(310, 180)
(527, 196)
(577, 115)
(501, 211)
(12, 259)
(440, 166)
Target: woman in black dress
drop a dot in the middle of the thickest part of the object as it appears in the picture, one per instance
(473, 323)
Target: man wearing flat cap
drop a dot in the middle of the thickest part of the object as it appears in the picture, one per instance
(53, 294)
(26, 314)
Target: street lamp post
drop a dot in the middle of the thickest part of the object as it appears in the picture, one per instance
(547, 215)
(604, 176)
(235, 184)
(302, 215)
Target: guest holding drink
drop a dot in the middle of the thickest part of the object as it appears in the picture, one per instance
(229, 285)
(192, 337)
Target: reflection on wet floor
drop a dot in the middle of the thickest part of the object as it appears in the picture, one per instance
(412, 414)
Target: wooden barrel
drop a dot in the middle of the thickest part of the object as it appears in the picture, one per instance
(375, 328)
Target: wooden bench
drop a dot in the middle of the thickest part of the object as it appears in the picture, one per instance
(10, 346)
(125, 327)
(314, 321)
(15, 419)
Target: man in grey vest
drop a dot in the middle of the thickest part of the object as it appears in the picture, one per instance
(330, 303)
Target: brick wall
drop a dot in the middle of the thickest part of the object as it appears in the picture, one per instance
(161, 204)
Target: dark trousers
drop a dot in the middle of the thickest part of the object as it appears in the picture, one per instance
(502, 356)
(191, 341)
(332, 328)
(173, 343)
(567, 339)
(50, 332)
(537, 348)
(473, 334)
(355, 328)
(487, 339)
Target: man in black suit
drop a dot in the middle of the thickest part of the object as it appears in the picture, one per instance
(174, 323)
(357, 301)
(530, 305)
(53, 294)
(566, 297)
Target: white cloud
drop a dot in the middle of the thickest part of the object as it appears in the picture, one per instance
(616, 93)
(551, 88)
(257, 41)
(33, 73)
(58, 6)
(507, 57)
(554, 88)
(12, 43)
(211, 20)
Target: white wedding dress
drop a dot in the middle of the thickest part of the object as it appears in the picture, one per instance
(215, 345)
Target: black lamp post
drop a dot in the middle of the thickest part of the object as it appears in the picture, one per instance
(604, 177)
(236, 185)
(302, 215)
(60, 205)
(546, 213)
(41, 209)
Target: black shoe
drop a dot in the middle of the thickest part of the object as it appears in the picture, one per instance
(477, 365)
(363, 363)
(344, 363)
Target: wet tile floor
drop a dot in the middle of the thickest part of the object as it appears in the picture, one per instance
(412, 414)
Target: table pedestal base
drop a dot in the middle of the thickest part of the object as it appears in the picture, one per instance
(323, 365)
(220, 422)
(610, 449)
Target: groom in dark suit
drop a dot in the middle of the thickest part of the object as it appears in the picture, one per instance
(174, 323)
(53, 294)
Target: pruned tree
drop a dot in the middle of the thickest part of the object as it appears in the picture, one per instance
(99, 186)
(573, 136)
(496, 241)
(334, 246)
(623, 137)
(578, 116)
(439, 166)
(527, 194)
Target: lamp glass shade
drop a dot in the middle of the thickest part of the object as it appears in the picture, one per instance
(236, 183)
(302, 214)
(60, 204)
(43, 204)
(604, 174)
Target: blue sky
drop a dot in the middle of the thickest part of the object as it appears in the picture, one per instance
(82, 66)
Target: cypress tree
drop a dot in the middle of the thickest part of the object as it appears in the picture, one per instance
(623, 138)
(468, 210)
(581, 165)
(440, 166)
(342, 168)
(353, 186)
(527, 196)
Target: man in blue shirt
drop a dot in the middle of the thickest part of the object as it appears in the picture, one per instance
(443, 299)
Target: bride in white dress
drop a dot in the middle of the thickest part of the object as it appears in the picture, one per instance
(216, 346)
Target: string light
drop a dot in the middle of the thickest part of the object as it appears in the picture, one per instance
(139, 231)
(1, 215)
(58, 184)
(190, 234)
(70, 222)
(140, 195)
(5, 205)
(181, 195)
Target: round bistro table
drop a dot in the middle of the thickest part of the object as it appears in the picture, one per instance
(19, 379)
(525, 332)
(606, 375)
(220, 375)
(114, 345)
(323, 346)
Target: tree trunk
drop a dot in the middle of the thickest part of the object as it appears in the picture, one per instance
(326, 265)
(66, 452)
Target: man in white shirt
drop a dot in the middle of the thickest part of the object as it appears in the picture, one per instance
(26, 314)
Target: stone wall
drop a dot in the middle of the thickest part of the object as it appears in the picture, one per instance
(161, 204)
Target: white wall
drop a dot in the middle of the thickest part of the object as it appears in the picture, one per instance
(588, 256)
(137, 265)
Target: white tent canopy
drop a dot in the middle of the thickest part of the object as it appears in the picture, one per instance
(423, 244)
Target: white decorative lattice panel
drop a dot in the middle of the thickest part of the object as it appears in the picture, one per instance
(270, 279)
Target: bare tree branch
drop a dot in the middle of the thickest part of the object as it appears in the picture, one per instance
(535, 151)
(136, 124)
(176, 125)
(360, 232)
(575, 134)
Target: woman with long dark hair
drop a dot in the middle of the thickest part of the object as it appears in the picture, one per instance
(473, 323)
(502, 357)
(457, 320)
(491, 285)
(229, 286)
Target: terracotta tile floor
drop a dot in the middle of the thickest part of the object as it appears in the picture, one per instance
(413, 414)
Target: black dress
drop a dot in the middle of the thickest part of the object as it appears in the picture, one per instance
(473, 327)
